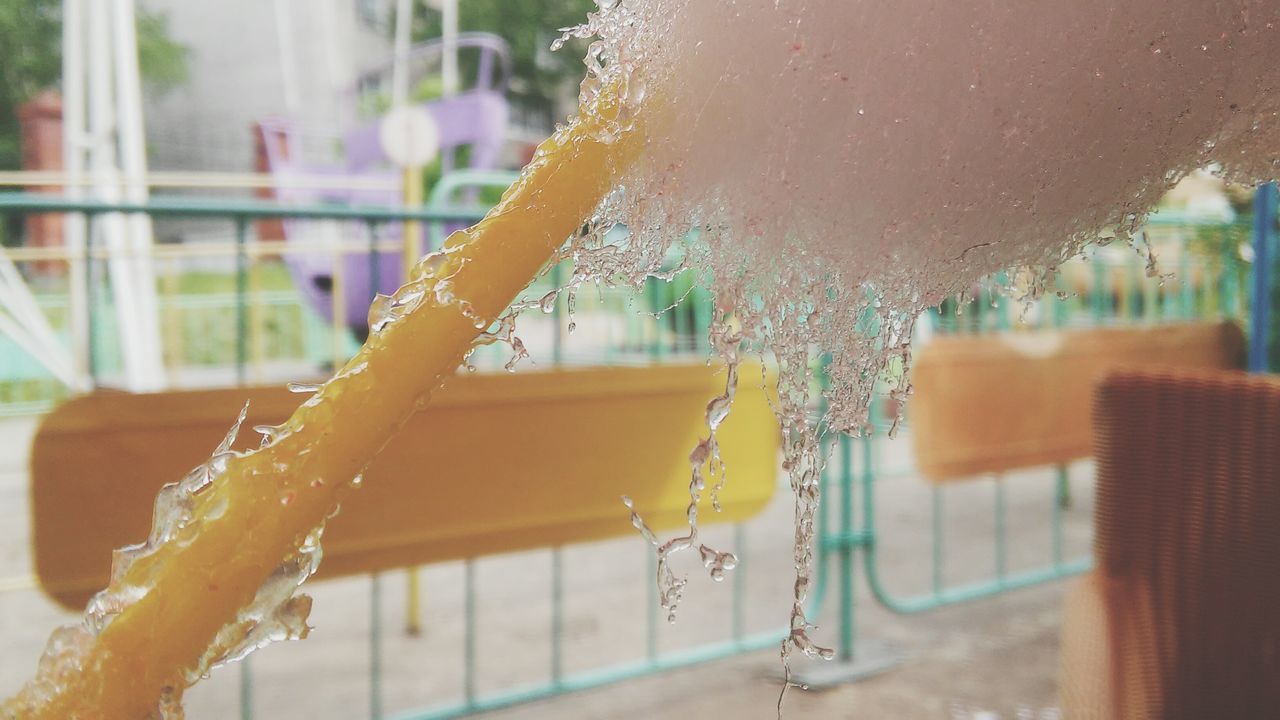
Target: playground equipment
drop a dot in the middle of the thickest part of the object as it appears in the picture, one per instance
(474, 119)
(1178, 619)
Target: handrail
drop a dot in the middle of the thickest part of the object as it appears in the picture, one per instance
(11, 203)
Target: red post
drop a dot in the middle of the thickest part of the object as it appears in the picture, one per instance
(40, 120)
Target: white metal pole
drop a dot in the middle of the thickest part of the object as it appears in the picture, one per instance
(400, 66)
(133, 160)
(110, 227)
(449, 59)
(73, 142)
(336, 63)
(288, 61)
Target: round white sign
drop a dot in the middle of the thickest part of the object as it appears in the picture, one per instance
(409, 136)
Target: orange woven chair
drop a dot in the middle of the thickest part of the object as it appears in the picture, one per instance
(1181, 617)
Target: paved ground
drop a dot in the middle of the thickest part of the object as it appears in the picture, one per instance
(987, 659)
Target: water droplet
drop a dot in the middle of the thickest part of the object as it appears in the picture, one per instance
(548, 301)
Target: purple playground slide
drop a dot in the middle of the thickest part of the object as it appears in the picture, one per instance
(475, 117)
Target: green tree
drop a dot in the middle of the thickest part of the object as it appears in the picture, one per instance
(31, 60)
(528, 26)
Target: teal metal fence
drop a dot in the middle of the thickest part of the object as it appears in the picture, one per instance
(217, 330)
(214, 333)
(1204, 278)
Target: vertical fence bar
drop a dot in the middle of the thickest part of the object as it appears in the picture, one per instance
(375, 646)
(557, 616)
(242, 306)
(738, 619)
(375, 266)
(1001, 549)
(1230, 306)
(338, 298)
(651, 606)
(173, 347)
(846, 550)
(1264, 223)
(557, 327)
(413, 602)
(469, 631)
(257, 326)
(90, 287)
(1186, 298)
(246, 689)
(679, 320)
(1060, 502)
(656, 347)
(1101, 299)
(935, 492)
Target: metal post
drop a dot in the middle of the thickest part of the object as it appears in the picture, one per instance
(1100, 301)
(90, 327)
(413, 602)
(739, 582)
(375, 646)
(242, 307)
(338, 305)
(1186, 298)
(1000, 528)
(845, 651)
(855, 659)
(651, 606)
(557, 616)
(469, 631)
(133, 163)
(1264, 224)
(375, 267)
(75, 224)
(246, 689)
(557, 328)
(938, 558)
(1062, 490)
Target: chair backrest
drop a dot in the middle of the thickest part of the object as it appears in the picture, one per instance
(993, 403)
(1188, 539)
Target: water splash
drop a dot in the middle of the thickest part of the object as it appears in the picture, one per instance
(831, 170)
(704, 462)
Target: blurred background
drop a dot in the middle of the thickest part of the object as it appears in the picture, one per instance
(208, 196)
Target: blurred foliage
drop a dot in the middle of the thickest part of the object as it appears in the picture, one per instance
(538, 75)
(31, 61)
(161, 60)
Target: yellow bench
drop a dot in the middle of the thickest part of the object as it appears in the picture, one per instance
(993, 403)
(497, 463)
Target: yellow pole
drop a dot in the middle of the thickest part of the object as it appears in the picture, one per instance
(260, 508)
(411, 248)
(412, 243)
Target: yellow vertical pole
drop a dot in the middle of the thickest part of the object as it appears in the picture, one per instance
(173, 340)
(412, 248)
(257, 340)
(338, 298)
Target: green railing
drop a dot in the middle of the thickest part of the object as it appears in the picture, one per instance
(216, 330)
(1208, 281)
(1211, 285)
